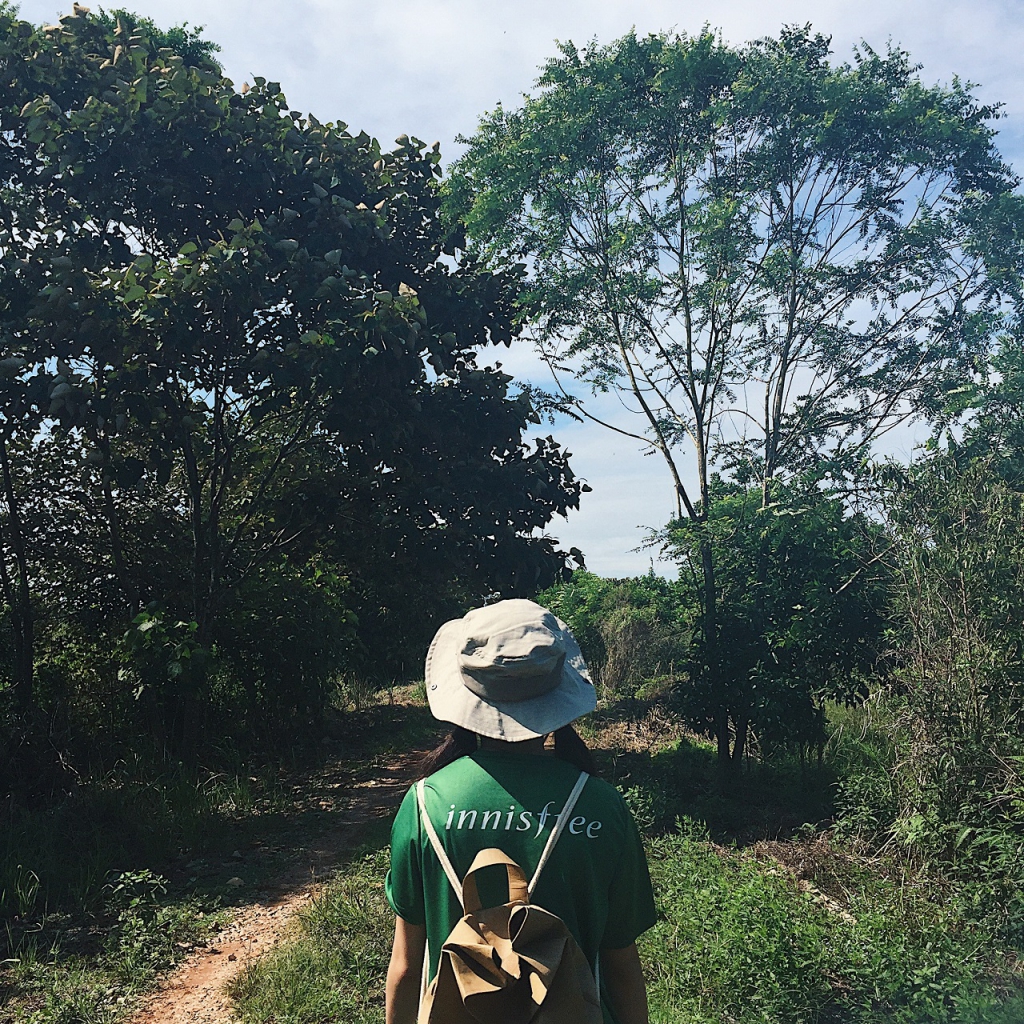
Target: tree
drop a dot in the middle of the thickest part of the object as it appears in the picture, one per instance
(247, 317)
(994, 430)
(803, 598)
(771, 258)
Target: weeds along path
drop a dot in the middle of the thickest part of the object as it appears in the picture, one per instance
(194, 992)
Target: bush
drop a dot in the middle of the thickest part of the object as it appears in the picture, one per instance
(143, 933)
(631, 631)
(951, 787)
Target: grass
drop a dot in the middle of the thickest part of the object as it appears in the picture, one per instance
(759, 920)
(82, 935)
(96, 894)
(125, 820)
(138, 932)
(334, 970)
(738, 940)
(765, 913)
(667, 772)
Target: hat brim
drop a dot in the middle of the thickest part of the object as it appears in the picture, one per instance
(512, 721)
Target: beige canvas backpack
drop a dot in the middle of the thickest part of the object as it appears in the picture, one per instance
(511, 964)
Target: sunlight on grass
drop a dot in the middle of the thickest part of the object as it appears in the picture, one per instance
(335, 969)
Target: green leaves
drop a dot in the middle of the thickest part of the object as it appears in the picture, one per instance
(242, 303)
(800, 597)
(773, 257)
(703, 215)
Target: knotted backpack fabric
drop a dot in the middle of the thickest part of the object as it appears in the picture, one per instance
(516, 963)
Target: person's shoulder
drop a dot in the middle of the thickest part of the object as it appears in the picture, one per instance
(612, 805)
(454, 771)
(601, 789)
(408, 799)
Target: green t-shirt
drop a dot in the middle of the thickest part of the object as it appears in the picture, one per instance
(596, 880)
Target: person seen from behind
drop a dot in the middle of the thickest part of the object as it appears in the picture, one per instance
(506, 677)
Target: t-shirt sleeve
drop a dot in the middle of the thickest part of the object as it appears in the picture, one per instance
(404, 883)
(631, 909)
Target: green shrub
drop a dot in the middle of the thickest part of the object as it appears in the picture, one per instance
(630, 631)
(931, 767)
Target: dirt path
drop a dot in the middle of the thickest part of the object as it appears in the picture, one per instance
(194, 993)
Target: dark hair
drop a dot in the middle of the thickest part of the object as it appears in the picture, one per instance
(459, 742)
(569, 746)
(456, 744)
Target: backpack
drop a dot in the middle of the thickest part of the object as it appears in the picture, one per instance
(512, 964)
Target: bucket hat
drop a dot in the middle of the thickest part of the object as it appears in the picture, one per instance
(510, 671)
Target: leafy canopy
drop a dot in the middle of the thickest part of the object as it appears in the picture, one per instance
(243, 331)
(773, 258)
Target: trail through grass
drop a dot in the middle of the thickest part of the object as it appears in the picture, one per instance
(111, 887)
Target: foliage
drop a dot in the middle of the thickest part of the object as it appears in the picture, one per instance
(182, 39)
(772, 257)
(995, 429)
(801, 609)
(740, 941)
(336, 970)
(801, 602)
(707, 218)
(862, 751)
(632, 632)
(239, 365)
(954, 781)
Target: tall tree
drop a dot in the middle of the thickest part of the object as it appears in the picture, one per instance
(252, 313)
(772, 259)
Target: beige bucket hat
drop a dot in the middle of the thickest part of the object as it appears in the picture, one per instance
(511, 671)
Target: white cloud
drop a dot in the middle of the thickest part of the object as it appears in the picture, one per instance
(430, 67)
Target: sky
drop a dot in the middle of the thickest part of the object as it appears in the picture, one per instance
(429, 68)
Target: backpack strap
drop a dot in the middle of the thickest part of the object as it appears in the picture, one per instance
(435, 842)
(556, 832)
(517, 888)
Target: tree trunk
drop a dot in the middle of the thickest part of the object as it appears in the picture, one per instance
(711, 655)
(740, 746)
(20, 597)
(722, 737)
(189, 695)
(114, 531)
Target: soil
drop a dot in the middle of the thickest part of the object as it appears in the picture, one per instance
(195, 991)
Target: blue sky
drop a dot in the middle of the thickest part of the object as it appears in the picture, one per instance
(430, 67)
